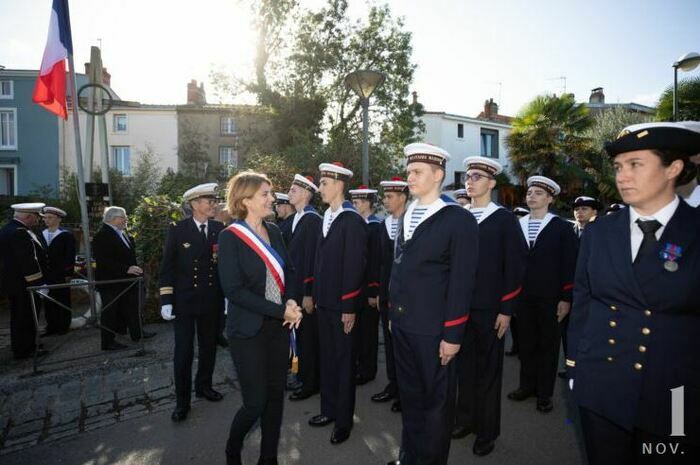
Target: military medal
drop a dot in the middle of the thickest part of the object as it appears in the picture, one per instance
(186, 245)
(671, 253)
(214, 251)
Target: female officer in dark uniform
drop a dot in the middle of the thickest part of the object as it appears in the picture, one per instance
(633, 334)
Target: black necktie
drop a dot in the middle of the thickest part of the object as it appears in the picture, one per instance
(203, 233)
(648, 245)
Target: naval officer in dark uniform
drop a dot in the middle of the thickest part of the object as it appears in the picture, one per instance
(585, 211)
(633, 335)
(502, 255)
(285, 215)
(191, 295)
(338, 280)
(23, 264)
(430, 293)
(546, 296)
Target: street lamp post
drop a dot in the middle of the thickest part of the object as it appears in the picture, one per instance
(687, 62)
(363, 83)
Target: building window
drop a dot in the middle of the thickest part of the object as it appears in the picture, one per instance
(7, 90)
(121, 159)
(489, 143)
(460, 131)
(8, 129)
(228, 157)
(228, 126)
(120, 123)
(8, 186)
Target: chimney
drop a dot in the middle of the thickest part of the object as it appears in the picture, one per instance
(106, 77)
(490, 109)
(597, 95)
(415, 97)
(196, 94)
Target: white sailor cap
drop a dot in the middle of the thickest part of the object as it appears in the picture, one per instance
(55, 211)
(614, 207)
(32, 207)
(334, 170)
(362, 193)
(521, 211)
(426, 153)
(281, 199)
(395, 185)
(209, 190)
(545, 183)
(306, 182)
(585, 201)
(488, 165)
(681, 137)
(461, 194)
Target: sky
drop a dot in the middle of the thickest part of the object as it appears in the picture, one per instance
(466, 50)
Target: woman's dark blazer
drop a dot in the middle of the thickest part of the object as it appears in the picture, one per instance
(243, 274)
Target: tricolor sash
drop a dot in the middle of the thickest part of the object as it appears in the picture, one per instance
(267, 254)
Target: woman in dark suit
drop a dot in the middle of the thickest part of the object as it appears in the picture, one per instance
(633, 334)
(254, 270)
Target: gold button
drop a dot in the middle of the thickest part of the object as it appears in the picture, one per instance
(611, 341)
(195, 268)
(195, 285)
(646, 331)
(647, 312)
(613, 308)
(195, 276)
(642, 348)
(613, 323)
(637, 366)
(610, 359)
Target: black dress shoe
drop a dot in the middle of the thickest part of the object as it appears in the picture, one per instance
(209, 394)
(301, 395)
(544, 405)
(394, 462)
(340, 435)
(320, 420)
(114, 345)
(144, 335)
(269, 461)
(383, 397)
(294, 385)
(179, 414)
(483, 447)
(520, 394)
(396, 406)
(222, 342)
(459, 432)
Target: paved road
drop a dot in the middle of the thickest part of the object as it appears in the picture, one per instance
(129, 431)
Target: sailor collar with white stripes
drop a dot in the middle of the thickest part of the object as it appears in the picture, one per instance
(485, 212)
(330, 216)
(299, 215)
(391, 224)
(525, 226)
(430, 210)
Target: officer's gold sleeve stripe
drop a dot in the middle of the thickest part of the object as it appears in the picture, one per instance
(33, 277)
(166, 290)
(570, 363)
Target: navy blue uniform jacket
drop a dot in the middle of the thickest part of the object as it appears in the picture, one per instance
(386, 253)
(375, 227)
(633, 340)
(23, 261)
(189, 277)
(433, 275)
(243, 277)
(302, 252)
(339, 273)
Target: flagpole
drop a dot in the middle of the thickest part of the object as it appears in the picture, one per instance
(81, 184)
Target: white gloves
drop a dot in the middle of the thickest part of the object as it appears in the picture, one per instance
(166, 311)
(571, 384)
(44, 292)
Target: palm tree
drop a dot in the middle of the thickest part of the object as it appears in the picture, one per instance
(688, 101)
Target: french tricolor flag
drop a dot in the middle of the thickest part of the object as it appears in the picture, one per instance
(50, 88)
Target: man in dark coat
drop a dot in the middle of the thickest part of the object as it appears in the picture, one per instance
(60, 244)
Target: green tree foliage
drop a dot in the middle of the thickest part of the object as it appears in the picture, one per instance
(688, 101)
(192, 150)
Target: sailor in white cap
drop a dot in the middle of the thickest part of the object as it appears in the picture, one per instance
(502, 256)
(338, 281)
(285, 214)
(60, 246)
(366, 334)
(431, 286)
(23, 264)
(633, 334)
(191, 295)
(461, 197)
(546, 296)
(395, 199)
(585, 211)
(302, 245)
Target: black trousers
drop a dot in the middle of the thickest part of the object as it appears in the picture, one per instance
(261, 366)
(480, 376)
(121, 314)
(514, 334)
(337, 369)
(564, 329)
(427, 390)
(22, 327)
(367, 341)
(58, 319)
(539, 334)
(609, 444)
(392, 387)
(185, 326)
(307, 351)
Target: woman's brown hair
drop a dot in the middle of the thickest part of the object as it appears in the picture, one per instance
(243, 186)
